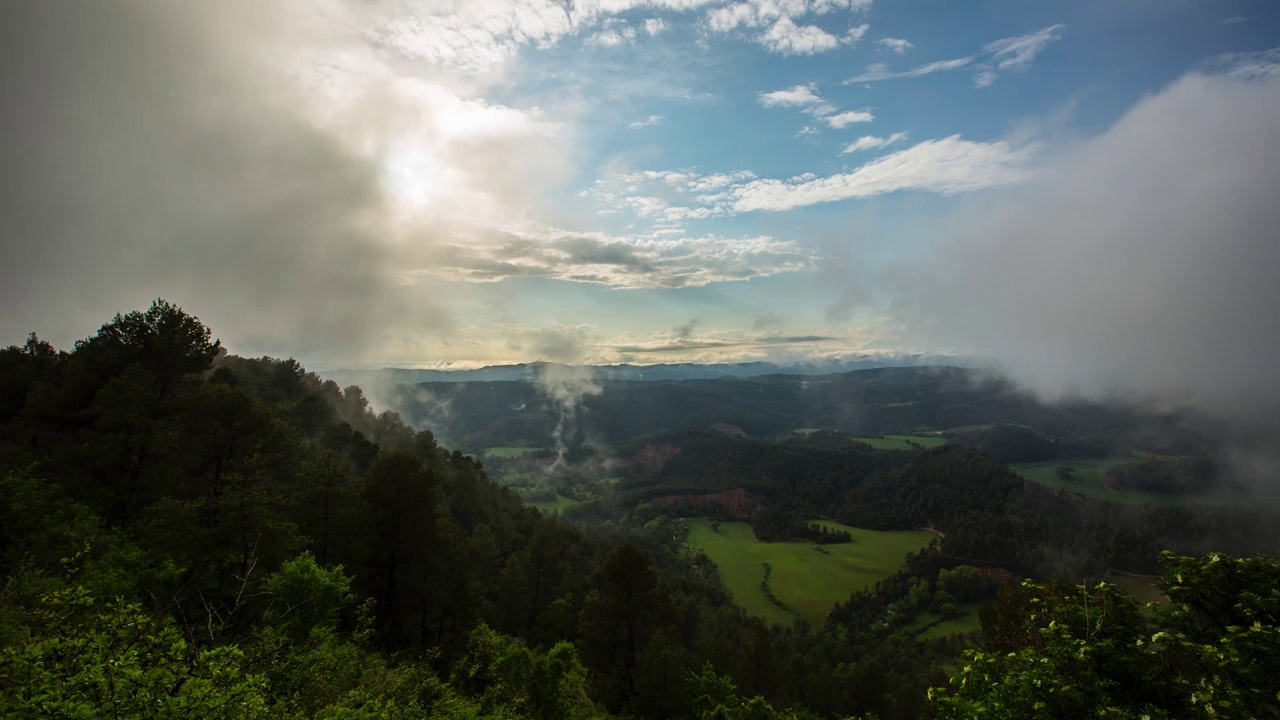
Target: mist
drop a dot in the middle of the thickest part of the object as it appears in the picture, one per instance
(1141, 266)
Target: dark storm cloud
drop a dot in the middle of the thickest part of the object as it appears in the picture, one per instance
(1144, 265)
(150, 150)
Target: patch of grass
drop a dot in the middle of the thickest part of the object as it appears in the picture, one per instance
(804, 579)
(1086, 479)
(928, 626)
(806, 431)
(923, 440)
(557, 506)
(901, 442)
(509, 452)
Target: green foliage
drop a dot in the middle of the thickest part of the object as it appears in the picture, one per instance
(306, 597)
(1064, 651)
(82, 661)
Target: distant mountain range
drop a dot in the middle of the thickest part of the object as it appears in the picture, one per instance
(664, 371)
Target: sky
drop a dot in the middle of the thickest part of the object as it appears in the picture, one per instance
(1082, 190)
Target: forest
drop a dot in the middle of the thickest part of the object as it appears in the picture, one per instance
(187, 534)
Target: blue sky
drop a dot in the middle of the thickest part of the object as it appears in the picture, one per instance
(465, 182)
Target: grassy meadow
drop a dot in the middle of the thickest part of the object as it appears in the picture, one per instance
(1087, 475)
(510, 452)
(931, 625)
(901, 442)
(808, 581)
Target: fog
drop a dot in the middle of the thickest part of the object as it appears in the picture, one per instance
(1142, 264)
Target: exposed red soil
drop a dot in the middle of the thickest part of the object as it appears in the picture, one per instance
(738, 503)
(651, 458)
(728, 429)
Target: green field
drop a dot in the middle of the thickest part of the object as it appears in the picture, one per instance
(805, 431)
(931, 625)
(803, 578)
(1086, 479)
(557, 506)
(901, 442)
(509, 452)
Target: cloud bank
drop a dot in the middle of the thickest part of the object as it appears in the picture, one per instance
(1143, 264)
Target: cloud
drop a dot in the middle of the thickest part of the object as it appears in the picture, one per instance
(1006, 54)
(476, 37)
(179, 165)
(871, 142)
(559, 344)
(787, 38)
(948, 165)
(782, 34)
(684, 344)
(1016, 53)
(292, 181)
(879, 71)
(896, 45)
(611, 38)
(1248, 65)
(1141, 264)
(855, 34)
(806, 98)
(683, 331)
(622, 262)
(651, 120)
(655, 26)
(849, 117)
(798, 96)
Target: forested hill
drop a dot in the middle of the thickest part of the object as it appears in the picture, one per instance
(870, 401)
(187, 534)
(987, 514)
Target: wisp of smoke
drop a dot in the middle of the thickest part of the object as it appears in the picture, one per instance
(565, 386)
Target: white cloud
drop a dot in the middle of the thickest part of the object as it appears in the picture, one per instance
(897, 45)
(1006, 54)
(705, 183)
(1143, 264)
(855, 34)
(871, 142)
(1016, 53)
(783, 34)
(477, 36)
(849, 117)
(651, 120)
(945, 166)
(655, 26)
(611, 38)
(626, 262)
(787, 38)
(798, 96)
(1248, 65)
(879, 71)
